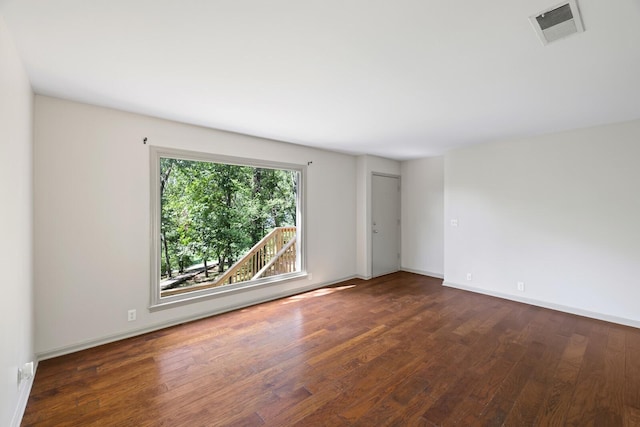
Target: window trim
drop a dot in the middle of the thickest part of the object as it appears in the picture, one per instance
(155, 154)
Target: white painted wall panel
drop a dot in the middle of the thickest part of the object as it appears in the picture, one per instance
(92, 219)
(423, 216)
(16, 217)
(558, 212)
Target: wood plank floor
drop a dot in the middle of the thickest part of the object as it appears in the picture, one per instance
(400, 350)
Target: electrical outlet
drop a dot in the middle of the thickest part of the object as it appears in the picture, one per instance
(26, 372)
(309, 276)
(521, 286)
(131, 315)
(454, 222)
(468, 276)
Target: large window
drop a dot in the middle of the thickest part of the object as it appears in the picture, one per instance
(222, 223)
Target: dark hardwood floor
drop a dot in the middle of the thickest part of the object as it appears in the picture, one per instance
(399, 350)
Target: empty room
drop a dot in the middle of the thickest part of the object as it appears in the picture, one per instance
(247, 213)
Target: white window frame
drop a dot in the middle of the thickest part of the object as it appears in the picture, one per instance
(159, 302)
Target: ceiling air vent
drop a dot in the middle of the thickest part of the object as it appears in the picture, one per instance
(557, 22)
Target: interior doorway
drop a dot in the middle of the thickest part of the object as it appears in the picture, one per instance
(385, 224)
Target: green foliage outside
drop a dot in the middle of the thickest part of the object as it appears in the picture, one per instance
(215, 212)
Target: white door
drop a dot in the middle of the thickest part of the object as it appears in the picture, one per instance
(385, 216)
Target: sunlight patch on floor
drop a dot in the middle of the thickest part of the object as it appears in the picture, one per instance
(317, 293)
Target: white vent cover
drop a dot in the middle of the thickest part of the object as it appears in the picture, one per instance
(557, 22)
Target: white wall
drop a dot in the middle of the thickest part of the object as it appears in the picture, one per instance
(92, 220)
(423, 216)
(558, 212)
(16, 217)
(367, 166)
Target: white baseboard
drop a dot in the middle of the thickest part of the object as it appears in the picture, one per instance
(23, 397)
(61, 351)
(545, 304)
(423, 273)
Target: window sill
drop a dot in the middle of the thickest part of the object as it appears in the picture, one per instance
(206, 294)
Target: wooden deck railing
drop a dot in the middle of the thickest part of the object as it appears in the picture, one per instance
(274, 254)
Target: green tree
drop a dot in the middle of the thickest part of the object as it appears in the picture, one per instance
(231, 212)
(273, 201)
(175, 176)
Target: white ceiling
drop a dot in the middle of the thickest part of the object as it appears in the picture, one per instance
(396, 78)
